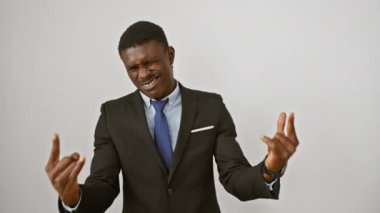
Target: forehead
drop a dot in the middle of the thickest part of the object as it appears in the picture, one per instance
(138, 53)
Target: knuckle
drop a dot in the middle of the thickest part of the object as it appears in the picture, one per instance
(297, 142)
(285, 155)
(291, 151)
(279, 135)
(52, 176)
(57, 182)
(294, 149)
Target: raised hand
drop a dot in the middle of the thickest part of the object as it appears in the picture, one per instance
(63, 173)
(281, 146)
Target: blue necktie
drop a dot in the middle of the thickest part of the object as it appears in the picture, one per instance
(161, 133)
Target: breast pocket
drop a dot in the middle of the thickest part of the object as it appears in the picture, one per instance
(202, 140)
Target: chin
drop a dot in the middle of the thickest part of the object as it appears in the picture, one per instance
(150, 94)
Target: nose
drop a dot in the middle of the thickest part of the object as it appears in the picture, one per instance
(143, 72)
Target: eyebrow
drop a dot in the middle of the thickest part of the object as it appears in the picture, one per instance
(144, 61)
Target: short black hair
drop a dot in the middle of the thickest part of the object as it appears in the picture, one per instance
(140, 33)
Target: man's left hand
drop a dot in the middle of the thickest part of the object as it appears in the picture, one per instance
(282, 146)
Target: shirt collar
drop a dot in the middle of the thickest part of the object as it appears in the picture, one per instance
(174, 97)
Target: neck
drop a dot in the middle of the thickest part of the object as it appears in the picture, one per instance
(171, 89)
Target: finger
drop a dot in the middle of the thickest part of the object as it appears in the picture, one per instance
(281, 122)
(292, 130)
(63, 177)
(286, 143)
(54, 153)
(63, 164)
(78, 167)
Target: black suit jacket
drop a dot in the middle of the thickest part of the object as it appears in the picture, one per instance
(123, 142)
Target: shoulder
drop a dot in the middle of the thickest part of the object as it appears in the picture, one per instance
(200, 94)
(121, 101)
(203, 100)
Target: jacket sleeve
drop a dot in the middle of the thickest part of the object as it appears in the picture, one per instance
(102, 186)
(235, 173)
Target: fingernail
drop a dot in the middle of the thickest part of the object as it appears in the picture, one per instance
(81, 158)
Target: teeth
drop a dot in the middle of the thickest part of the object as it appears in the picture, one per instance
(149, 83)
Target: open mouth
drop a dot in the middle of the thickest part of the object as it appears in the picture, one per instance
(151, 83)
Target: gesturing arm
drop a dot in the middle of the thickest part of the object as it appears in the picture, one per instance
(236, 174)
(101, 187)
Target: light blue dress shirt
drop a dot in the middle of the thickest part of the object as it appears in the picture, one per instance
(172, 111)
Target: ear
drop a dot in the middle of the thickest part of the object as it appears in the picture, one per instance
(171, 54)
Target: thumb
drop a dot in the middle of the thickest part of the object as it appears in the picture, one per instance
(267, 140)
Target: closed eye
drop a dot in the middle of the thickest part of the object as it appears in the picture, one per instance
(150, 62)
(132, 69)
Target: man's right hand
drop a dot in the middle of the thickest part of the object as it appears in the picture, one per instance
(63, 173)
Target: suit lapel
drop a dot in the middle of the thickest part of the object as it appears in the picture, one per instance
(187, 118)
(137, 111)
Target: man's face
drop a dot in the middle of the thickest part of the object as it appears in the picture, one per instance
(149, 68)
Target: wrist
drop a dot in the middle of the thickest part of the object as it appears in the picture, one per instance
(272, 171)
(72, 199)
(267, 178)
(274, 165)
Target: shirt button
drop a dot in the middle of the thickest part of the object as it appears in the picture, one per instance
(170, 191)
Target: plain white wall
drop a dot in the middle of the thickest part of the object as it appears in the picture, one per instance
(320, 59)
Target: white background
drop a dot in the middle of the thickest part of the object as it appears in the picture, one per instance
(319, 59)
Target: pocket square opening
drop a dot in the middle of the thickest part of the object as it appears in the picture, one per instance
(202, 129)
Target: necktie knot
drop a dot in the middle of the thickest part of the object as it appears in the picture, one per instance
(159, 105)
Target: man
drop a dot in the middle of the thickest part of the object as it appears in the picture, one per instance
(163, 138)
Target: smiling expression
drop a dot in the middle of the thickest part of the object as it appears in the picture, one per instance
(149, 68)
